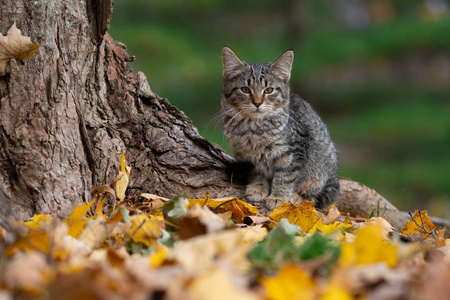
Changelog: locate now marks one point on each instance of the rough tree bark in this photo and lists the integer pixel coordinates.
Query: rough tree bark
(67, 112)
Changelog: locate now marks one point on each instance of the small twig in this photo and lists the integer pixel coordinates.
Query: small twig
(132, 234)
(309, 186)
(432, 232)
(221, 204)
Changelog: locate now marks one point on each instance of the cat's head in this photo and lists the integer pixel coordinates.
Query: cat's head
(257, 89)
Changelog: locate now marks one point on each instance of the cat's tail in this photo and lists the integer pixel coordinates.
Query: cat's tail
(329, 194)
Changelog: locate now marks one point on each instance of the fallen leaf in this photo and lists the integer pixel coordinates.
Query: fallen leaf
(303, 215)
(38, 221)
(94, 233)
(27, 272)
(76, 219)
(369, 247)
(291, 283)
(328, 228)
(423, 220)
(122, 179)
(15, 45)
(218, 285)
(334, 291)
(240, 209)
(385, 226)
(199, 220)
(332, 216)
(144, 229)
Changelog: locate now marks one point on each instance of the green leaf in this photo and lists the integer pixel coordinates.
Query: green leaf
(280, 246)
(125, 215)
(175, 208)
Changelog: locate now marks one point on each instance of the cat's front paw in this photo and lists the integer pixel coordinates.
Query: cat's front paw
(256, 194)
(272, 202)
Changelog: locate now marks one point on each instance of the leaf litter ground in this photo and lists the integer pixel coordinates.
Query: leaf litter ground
(150, 247)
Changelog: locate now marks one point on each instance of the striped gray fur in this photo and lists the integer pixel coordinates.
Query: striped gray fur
(278, 132)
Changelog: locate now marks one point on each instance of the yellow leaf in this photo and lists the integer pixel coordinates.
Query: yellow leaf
(369, 247)
(38, 221)
(15, 45)
(122, 179)
(411, 227)
(328, 228)
(157, 258)
(303, 215)
(144, 229)
(76, 221)
(98, 209)
(385, 226)
(36, 239)
(291, 283)
(334, 292)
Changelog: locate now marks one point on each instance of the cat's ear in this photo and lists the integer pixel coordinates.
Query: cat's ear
(283, 66)
(232, 65)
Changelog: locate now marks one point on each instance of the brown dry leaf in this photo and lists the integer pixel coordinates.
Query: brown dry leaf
(440, 238)
(303, 215)
(27, 272)
(103, 190)
(94, 233)
(199, 220)
(201, 252)
(239, 208)
(153, 201)
(15, 45)
(332, 216)
(411, 227)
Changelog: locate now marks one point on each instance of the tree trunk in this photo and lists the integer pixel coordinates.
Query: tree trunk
(68, 112)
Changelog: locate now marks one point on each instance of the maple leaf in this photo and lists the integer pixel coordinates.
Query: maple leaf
(303, 215)
(15, 45)
(290, 283)
(38, 221)
(76, 219)
(421, 221)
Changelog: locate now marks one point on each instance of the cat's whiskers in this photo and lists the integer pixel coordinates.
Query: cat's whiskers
(234, 117)
(216, 118)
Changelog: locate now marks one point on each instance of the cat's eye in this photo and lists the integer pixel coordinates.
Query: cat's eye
(269, 90)
(245, 90)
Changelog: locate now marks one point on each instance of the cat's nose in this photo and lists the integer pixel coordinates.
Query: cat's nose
(257, 104)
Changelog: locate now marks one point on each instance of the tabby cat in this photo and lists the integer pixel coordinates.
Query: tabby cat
(278, 132)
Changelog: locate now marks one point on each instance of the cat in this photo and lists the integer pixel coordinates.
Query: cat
(278, 133)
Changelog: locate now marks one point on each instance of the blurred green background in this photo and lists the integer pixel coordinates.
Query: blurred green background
(378, 72)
